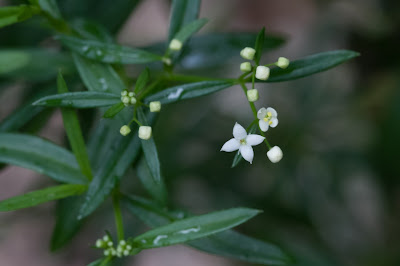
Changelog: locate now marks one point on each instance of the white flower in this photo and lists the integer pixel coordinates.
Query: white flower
(262, 72)
(275, 154)
(242, 142)
(268, 117)
(282, 62)
(248, 53)
(155, 106)
(245, 67)
(252, 95)
(175, 45)
(145, 132)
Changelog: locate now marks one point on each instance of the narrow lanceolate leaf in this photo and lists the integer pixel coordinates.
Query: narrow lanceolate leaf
(67, 223)
(90, 30)
(41, 156)
(98, 76)
(114, 110)
(108, 53)
(188, 91)
(40, 196)
(142, 80)
(224, 243)
(101, 262)
(86, 99)
(150, 151)
(14, 14)
(193, 228)
(112, 154)
(189, 29)
(182, 13)
(50, 7)
(74, 132)
(310, 65)
(238, 157)
(259, 45)
(156, 189)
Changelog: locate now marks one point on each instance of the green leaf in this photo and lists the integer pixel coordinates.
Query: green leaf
(74, 132)
(116, 155)
(114, 110)
(189, 29)
(33, 64)
(14, 14)
(310, 65)
(150, 151)
(41, 156)
(182, 13)
(108, 53)
(188, 91)
(142, 80)
(51, 8)
(156, 189)
(67, 223)
(259, 45)
(193, 228)
(90, 30)
(40, 196)
(87, 99)
(238, 157)
(101, 262)
(217, 49)
(97, 76)
(224, 243)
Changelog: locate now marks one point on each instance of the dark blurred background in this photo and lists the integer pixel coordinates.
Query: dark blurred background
(334, 199)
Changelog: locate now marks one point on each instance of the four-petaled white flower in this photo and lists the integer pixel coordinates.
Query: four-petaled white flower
(242, 142)
(268, 117)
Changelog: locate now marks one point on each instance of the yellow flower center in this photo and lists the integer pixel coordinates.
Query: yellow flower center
(268, 118)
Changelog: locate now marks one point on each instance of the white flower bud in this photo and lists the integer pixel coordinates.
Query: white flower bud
(124, 93)
(262, 72)
(125, 130)
(122, 243)
(248, 53)
(155, 106)
(99, 243)
(126, 253)
(283, 62)
(125, 99)
(106, 238)
(109, 243)
(275, 154)
(252, 95)
(245, 67)
(133, 100)
(107, 252)
(131, 94)
(175, 45)
(128, 247)
(145, 132)
(166, 61)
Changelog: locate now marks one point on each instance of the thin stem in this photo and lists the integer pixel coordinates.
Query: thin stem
(253, 108)
(151, 87)
(118, 216)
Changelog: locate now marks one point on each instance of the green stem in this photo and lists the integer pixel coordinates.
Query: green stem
(118, 216)
(253, 108)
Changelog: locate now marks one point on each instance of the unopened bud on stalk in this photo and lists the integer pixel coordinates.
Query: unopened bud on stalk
(262, 72)
(245, 67)
(145, 132)
(275, 154)
(175, 45)
(283, 62)
(125, 130)
(252, 95)
(248, 53)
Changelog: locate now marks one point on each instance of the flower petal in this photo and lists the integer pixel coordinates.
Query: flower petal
(239, 132)
(273, 112)
(231, 145)
(263, 125)
(254, 139)
(262, 113)
(247, 152)
(274, 122)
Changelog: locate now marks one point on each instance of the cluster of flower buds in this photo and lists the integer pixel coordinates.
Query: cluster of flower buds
(123, 249)
(128, 98)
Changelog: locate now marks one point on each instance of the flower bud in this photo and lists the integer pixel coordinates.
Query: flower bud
(175, 45)
(245, 67)
(122, 242)
(155, 106)
(166, 61)
(275, 154)
(99, 243)
(248, 53)
(131, 94)
(125, 99)
(126, 253)
(145, 132)
(252, 95)
(124, 93)
(262, 72)
(133, 100)
(283, 62)
(106, 238)
(125, 130)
